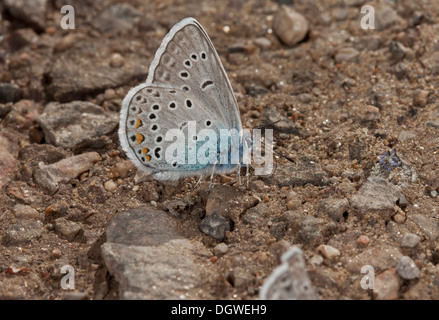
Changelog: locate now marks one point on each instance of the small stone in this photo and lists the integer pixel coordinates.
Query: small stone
(386, 285)
(328, 252)
(434, 194)
(56, 253)
(363, 240)
(68, 230)
(334, 208)
(220, 249)
(117, 60)
(23, 232)
(240, 278)
(215, 226)
(31, 12)
(410, 240)
(23, 211)
(305, 97)
(109, 94)
(123, 168)
(50, 176)
(9, 92)
(69, 124)
(420, 98)
(65, 43)
(316, 260)
(261, 256)
(110, 185)
(405, 135)
(407, 269)
(427, 225)
(290, 26)
(23, 115)
(345, 54)
(262, 42)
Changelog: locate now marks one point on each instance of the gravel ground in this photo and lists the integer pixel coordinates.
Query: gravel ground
(354, 113)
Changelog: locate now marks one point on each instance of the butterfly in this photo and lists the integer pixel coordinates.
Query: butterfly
(186, 85)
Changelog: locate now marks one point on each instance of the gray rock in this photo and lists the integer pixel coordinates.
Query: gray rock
(23, 232)
(116, 18)
(86, 69)
(8, 165)
(220, 249)
(290, 26)
(345, 54)
(215, 226)
(50, 176)
(386, 285)
(334, 208)
(142, 226)
(300, 174)
(9, 92)
(376, 195)
(427, 225)
(68, 124)
(407, 269)
(410, 240)
(68, 230)
(274, 120)
(31, 12)
(22, 211)
(380, 257)
(167, 271)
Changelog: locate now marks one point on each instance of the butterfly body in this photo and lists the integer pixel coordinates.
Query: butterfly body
(186, 88)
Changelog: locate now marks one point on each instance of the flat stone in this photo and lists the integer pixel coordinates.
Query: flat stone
(31, 12)
(85, 70)
(23, 232)
(22, 211)
(334, 208)
(50, 176)
(345, 54)
(380, 257)
(215, 226)
(306, 171)
(376, 195)
(328, 252)
(68, 124)
(410, 240)
(68, 230)
(427, 225)
(386, 285)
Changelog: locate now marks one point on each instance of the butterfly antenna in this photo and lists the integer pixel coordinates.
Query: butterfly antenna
(198, 182)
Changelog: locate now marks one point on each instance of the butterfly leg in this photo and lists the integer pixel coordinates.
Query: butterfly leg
(239, 173)
(198, 182)
(211, 176)
(247, 173)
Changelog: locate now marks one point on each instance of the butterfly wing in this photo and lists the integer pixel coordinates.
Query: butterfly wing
(187, 60)
(150, 113)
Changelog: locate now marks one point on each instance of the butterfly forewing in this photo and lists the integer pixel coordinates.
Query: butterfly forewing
(188, 61)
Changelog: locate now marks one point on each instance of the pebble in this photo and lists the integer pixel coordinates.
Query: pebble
(427, 225)
(123, 168)
(316, 260)
(386, 285)
(31, 12)
(9, 92)
(328, 252)
(117, 60)
(240, 278)
(215, 226)
(261, 256)
(110, 94)
(110, 185)
(346, 54)
(23, 211)
(334, 208)
(410, 240)
(56, 252)
(50, 176)
(69, 124)
(290, 26)
(65, 43)
(294, 201)
(262, 42)
(68, 230)
(363, 240)
(220, 249)
(420, 98)
(407, 268)
(23, 232)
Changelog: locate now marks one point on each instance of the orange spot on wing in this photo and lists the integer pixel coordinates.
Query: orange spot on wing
(145, 150)
(148, 158)
(139, 138)
(138, 123)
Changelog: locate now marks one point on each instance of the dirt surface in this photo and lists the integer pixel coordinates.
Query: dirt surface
(354, 110)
